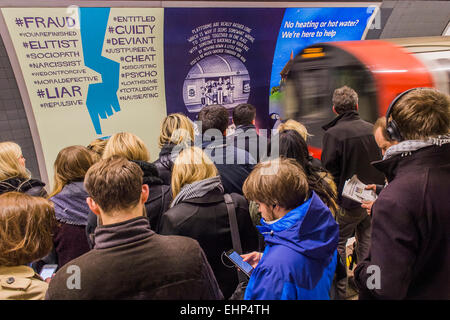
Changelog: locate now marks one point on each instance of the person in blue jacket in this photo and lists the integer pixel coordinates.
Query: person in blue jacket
(300, 233)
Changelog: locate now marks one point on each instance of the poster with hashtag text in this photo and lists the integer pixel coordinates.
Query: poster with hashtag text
(91, 72)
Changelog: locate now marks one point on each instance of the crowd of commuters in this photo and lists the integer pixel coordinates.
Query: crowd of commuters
(120, 227)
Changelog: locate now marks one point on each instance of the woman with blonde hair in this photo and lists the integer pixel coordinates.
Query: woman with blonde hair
(26, 224)
(131, 147)
(294, 125)
(127, 145)
(69, 197)
(199, 211)
(14, 176)
(98, 147)
(176, 130)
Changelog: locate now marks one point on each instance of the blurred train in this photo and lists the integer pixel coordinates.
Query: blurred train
(378, 70)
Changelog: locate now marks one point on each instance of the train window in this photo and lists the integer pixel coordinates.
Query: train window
(314, 91)
(360, 80)
(445, 66)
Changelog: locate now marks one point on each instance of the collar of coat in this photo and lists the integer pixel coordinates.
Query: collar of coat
(19, 184)
(346, 116)
(425, 157)
(122, 233)
(213, 196)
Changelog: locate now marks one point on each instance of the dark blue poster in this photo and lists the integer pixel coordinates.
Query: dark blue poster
(230, 56)
(219, 56)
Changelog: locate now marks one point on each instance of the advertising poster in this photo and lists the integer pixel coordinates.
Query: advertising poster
(302, 27)
(231, 56)
(90, 73)
(221, 55)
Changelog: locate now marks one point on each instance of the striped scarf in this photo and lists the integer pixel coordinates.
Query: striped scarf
(197, 189)
(408, 146)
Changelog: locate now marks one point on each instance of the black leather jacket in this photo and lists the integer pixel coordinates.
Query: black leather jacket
(32, 187)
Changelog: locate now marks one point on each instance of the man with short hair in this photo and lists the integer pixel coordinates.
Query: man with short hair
(348, 149)
(245, 136)
(300, 233)
(410, 245)
(233, 164)
(129, 260)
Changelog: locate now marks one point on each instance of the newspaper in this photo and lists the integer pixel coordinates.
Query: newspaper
(354, 189)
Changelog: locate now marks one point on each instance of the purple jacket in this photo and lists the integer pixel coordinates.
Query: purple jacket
(71, 212)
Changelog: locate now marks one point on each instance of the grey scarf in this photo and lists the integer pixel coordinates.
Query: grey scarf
(408, 146)
(197, 189)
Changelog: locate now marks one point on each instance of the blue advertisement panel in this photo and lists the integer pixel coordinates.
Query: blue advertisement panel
(302, 27)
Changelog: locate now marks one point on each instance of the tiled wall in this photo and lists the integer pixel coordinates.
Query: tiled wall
(13, 120)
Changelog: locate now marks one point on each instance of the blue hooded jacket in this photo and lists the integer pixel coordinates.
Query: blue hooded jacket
(300, 256)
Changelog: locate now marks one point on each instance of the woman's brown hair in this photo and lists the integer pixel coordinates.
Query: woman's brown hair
(26, 225)
(279, 182)
(71, 165)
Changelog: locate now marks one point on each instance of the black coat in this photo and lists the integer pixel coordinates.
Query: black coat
(164, 164)
(158, 202)
(234, 165)
(348, 148)
(245, 137)
(410, 228)
(32, 187)
(206, 220)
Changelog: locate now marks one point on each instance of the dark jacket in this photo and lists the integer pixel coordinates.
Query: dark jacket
(71, 211)
(410, 228)
(31, 187)
(158, 202)
(234, 165)
(130, 261)
(348, 148)
(300, 256)
(164, 164)
(245, 137)
(206, 220)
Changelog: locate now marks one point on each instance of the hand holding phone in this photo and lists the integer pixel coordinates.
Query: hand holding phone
(239, 262)
(47, 271)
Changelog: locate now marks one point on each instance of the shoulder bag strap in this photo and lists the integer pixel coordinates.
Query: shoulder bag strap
(235, 238)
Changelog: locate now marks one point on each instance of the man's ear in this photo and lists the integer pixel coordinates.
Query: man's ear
(144, 193)
(93, 205)
(254, 122)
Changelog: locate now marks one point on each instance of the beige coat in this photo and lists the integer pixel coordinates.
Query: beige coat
(21, 283)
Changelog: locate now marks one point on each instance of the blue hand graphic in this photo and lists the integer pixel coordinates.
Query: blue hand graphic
(102, 97)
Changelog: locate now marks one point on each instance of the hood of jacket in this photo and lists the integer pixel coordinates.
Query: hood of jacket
(151, 174)
(70, 204)
(346, 116)
(309, 229)
(19, 184)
